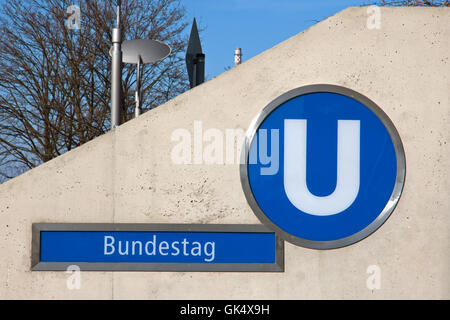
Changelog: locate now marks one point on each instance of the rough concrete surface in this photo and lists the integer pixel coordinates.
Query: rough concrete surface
(127, 175)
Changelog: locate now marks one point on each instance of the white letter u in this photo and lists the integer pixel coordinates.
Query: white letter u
(347, 182)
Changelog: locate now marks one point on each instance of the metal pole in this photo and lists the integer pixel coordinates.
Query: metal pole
(138, 110)
(116, 74)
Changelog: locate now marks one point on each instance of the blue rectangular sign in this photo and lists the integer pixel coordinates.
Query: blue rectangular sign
(156, 247)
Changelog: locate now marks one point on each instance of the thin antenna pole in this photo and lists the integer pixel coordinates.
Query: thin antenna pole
(116, 74)
(118, 17)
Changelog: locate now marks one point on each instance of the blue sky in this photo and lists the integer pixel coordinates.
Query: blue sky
(254, 25)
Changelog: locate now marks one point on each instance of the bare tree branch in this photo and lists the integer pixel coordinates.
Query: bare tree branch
(55, 81)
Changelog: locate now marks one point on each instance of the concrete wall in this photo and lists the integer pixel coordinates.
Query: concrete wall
(128, 176)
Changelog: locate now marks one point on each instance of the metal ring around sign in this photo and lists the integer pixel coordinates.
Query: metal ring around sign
(398, 147)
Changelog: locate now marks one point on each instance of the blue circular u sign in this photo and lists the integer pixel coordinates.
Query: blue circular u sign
(324, 166)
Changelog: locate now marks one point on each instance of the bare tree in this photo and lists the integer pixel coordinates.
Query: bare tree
(55, 79)
(414, 3)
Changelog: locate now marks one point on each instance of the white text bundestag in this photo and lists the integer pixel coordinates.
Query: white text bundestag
(162, 248)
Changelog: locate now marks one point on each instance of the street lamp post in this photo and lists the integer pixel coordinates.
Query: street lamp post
(116, 74)
(137, 51)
